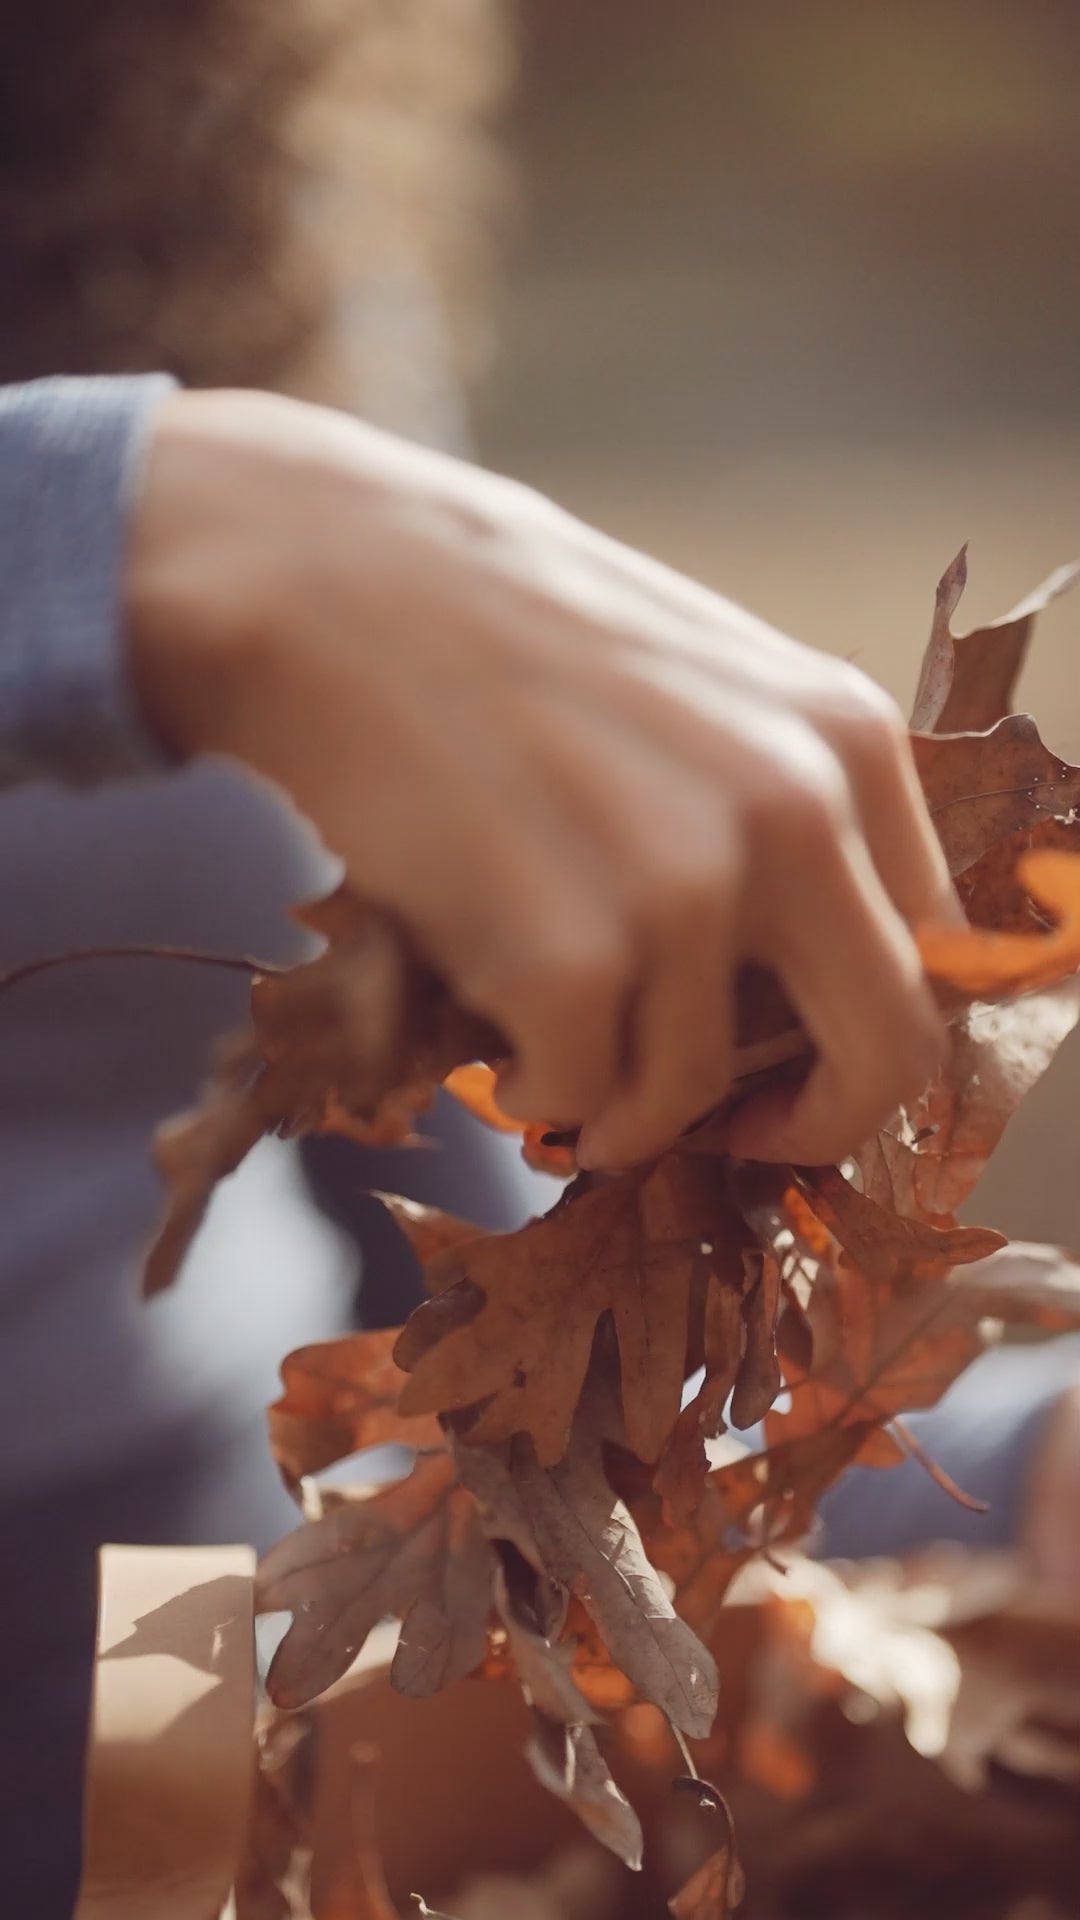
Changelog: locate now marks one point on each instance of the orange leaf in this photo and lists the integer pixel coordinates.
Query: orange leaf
(474, 1087)
(989, 966)
(340, 1397)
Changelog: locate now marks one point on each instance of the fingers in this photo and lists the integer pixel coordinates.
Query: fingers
(618, 999)
(682, 1030)
(868, 736)
(851, 968)
(559, 994)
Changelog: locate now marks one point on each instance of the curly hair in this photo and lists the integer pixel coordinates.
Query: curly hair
(193, 183)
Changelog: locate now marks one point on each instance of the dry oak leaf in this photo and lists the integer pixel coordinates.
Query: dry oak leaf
(355, 1041)
(414, 1550)
(197, 1149)
(629, 1246)
(990, 966)
(544, 1666)
(716, 1889)
(991, 892)
(713, 1892)
(364, 1021)
(869, 1358)
(882, 1355)
(340, 1397)
(780, 1489)
(888, 1339)
(981, 788)
(996, 1055)
(762, 1500)
(700, 1556)
(568, 1762)
(887, 1247)
(428, 1230)
(604, 1685)
(680, 1475)
(968, 680)
(587, 1541)
(740, 1360)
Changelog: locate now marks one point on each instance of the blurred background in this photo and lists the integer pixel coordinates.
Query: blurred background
(792, 300)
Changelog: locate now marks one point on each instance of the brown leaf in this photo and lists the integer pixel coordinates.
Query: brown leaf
(543, 1666)
(888, 1247)
(414, 1550)
(716, 1889)
(892, 1325)
(364, 1020)
(628, 1246)
(568, 1762)
(196, 1150)
(680, 1476)
(784, 1485)
(991, 892)
(983, 787)
(355, 1041)
(340, 1397)
(877, 1355)
(697, 1555)
(588, 1542)
(991, 966)
(428, 1230)
(996, 1055)
(757, 1381)
(968, 680)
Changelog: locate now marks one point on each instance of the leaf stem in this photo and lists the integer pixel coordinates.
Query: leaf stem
(195, 956)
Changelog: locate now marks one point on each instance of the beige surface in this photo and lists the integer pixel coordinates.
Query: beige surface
(171, 1749)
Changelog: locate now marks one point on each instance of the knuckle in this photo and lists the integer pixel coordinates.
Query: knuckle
(804, 804)
(693, 887)
(567, 966)
(816, 818)
(545, 962)
(859, 718)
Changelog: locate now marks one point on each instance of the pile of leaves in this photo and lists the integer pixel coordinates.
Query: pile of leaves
(557, 1513)
(898, 1739)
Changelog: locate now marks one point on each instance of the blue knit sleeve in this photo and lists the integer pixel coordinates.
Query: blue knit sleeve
(70, 453)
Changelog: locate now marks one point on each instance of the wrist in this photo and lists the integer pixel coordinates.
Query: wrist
(187, 592)
(222, 565)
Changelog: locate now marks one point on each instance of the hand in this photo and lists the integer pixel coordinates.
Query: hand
(589, 787)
